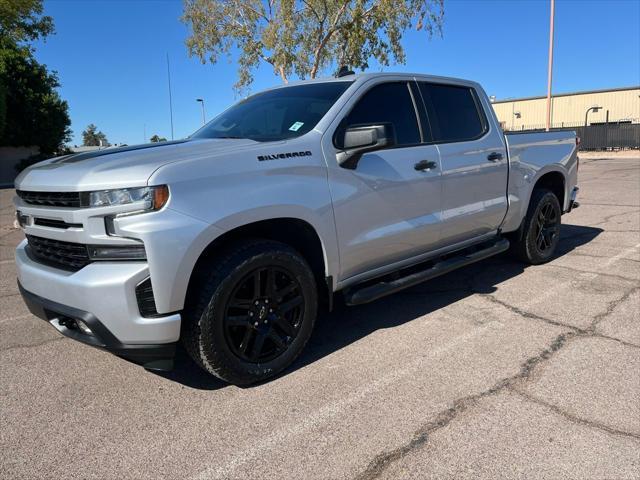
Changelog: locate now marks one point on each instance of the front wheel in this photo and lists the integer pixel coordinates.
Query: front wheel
(253, 314)
(541, 228)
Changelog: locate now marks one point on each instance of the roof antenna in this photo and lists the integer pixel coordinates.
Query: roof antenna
(344, 71)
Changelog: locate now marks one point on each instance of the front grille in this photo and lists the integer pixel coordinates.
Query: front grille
(146, 302)
(51, 199)
(65, 255)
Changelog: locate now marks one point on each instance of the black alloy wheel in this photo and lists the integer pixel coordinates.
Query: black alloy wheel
(540, 229)
(263, 315)
(547, 227)
(251, 311)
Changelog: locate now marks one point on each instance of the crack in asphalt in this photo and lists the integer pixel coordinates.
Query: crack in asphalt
(525, 314)
(590, 255)
(614, 339)
(381, 462)
(607, 218)
(608, 275)
(421, 437)
(31, 345)
(611, 307)
(583, 332)
(574, 418)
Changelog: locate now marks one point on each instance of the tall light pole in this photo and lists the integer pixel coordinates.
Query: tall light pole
(201, 100)
(550, 67)
(170, 100)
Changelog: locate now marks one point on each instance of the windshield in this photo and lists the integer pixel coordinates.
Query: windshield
(276, 114)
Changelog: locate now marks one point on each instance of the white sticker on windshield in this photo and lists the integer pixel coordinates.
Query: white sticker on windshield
(296, 126)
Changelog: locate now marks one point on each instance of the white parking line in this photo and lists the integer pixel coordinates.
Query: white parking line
(331, 410)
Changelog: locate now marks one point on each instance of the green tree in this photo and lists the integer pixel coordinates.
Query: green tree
(156, 139)
(91, 137)
(31, 111)
(22, 20)
(305, 38)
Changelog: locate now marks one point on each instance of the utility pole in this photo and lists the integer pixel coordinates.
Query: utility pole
(170, 101)
(550, 68)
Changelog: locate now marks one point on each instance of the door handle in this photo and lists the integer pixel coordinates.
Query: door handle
(425, 165)
(494, 156)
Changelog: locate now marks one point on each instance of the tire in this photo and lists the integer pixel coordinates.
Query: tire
(541, 229)
(252, 313)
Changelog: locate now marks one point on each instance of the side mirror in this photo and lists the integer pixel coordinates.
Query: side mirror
(361, 139)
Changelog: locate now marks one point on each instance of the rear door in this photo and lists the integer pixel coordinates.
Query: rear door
(388, 208)
(473, 158)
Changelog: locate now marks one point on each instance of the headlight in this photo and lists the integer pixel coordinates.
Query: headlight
(150, 198)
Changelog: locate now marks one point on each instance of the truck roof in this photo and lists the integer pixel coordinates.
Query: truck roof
(366, 76)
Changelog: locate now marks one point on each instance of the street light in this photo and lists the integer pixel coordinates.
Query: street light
(595, 108)
(201, 100)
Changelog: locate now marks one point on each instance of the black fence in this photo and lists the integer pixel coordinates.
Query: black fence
(605, 136)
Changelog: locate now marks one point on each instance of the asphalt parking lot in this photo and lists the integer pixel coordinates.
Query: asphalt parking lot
(494, 371)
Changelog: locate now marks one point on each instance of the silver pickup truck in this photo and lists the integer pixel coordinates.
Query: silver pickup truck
(232, 239)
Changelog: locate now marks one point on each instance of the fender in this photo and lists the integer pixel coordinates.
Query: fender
(527, 165)
(323, 229)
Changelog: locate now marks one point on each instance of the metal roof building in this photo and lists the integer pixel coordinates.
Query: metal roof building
(617, 105)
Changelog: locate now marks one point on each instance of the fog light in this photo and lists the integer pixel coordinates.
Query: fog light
(84, 328)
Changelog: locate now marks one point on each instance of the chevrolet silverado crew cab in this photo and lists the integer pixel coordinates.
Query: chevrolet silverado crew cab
(230, 241)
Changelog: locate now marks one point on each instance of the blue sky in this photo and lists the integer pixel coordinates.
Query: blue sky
(110, 57)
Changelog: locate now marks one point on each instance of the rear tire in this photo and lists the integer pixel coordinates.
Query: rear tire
(253, 312)
(541, 229)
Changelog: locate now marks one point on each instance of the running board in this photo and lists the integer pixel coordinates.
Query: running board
(359, 295)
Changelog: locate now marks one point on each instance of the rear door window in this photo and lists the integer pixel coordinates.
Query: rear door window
(454, 112)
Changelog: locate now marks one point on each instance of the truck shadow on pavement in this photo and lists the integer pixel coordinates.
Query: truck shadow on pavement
(346, 325)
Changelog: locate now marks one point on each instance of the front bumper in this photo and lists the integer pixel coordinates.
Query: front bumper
(65, 319)
(104, 293)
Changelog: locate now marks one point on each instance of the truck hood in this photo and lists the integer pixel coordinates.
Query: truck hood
(120, 167)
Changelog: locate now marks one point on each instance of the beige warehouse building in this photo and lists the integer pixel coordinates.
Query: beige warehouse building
(617, 105)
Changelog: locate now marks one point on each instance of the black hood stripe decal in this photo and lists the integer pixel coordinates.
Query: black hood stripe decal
(78, 157)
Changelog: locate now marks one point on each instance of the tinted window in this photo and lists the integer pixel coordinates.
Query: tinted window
(275, 114)
(387, 103)
(453, 113)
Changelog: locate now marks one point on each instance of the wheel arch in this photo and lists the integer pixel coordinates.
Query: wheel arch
(295, 232)
(551, 179)
(555, 181)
